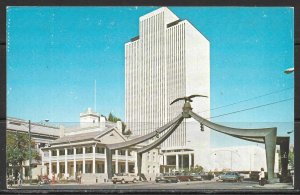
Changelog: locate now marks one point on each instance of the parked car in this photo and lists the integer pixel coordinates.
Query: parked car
(196, 177)
(166, 178)
(124, 178)
(184, 177)
(232, 176)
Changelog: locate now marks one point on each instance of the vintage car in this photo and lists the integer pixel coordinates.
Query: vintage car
(196, 177)
(124, 178)
(232, 176)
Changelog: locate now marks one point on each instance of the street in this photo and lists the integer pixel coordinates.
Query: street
(203, 185)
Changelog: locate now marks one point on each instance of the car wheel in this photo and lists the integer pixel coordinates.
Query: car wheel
(114, 182)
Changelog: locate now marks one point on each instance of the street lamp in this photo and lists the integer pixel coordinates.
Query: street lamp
(289, 132)
(289, 70)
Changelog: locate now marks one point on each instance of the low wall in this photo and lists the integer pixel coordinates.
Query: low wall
(90, 178)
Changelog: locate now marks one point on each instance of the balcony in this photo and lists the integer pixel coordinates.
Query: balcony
(88, 156)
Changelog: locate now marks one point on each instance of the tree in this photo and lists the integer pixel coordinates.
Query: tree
(128, 132)
(291, 159)
(196, 169)
(113, 118)
(17, 149)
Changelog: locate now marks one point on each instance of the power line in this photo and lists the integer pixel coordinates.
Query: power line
(251, 108)
(252, 98)
(263, 105)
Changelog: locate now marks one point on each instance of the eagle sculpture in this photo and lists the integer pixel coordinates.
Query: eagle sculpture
(187, 98)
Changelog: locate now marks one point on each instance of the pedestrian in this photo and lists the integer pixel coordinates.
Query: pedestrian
(19, 179)
(79, 177)
(53, 178)
(262, 177)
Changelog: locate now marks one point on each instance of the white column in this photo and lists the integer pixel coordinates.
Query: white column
(43, 157)
(57, 161)
(105, 162)
(50, 163)
(74, 161)
(135, 163)
(83, 159)
(66, 162)
(116, 162)
(177, 162)
(126, 162)
(165, 159)
(190, 161)
(94, 159)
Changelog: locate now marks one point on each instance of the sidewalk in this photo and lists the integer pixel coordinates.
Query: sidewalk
(274, 186)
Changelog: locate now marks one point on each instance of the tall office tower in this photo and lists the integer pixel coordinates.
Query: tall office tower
(169, 59)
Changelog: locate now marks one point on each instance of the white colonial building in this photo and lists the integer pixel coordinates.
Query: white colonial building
(169, 58)
(82, 150)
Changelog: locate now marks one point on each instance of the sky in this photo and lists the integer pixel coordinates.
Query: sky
(55, 54)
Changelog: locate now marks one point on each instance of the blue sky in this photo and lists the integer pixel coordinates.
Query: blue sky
(55, 54)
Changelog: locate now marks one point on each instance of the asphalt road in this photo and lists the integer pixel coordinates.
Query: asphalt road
(196, 185)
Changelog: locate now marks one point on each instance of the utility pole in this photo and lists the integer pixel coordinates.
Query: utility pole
(30, 155)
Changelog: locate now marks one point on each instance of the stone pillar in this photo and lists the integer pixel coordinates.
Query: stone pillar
(105, 161)
(57, 161)
(66, 161)
(74, 161)
(139, 164)
(177, 162)
(165, 159)
(135, 164)
(50, 163)
(190, 161)
(83, 159)
(94, 159)
(116, 162)
(109, 163)
(126, 162)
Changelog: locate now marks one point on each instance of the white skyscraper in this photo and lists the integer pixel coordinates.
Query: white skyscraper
(169, 59)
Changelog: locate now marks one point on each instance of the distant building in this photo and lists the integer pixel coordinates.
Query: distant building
(41, 133)
(241, 158)
(169, 58)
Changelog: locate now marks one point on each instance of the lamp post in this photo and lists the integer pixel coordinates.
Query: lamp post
(289, 70)
(30, 152)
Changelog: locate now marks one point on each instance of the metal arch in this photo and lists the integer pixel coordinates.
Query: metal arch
(160, 140)
(153, 145)
(138, 140)
(143, 138)
(268, 135)
(254, 133)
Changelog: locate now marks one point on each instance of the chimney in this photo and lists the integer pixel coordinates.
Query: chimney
(61, 131)
(102, 122)
(119, 126)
